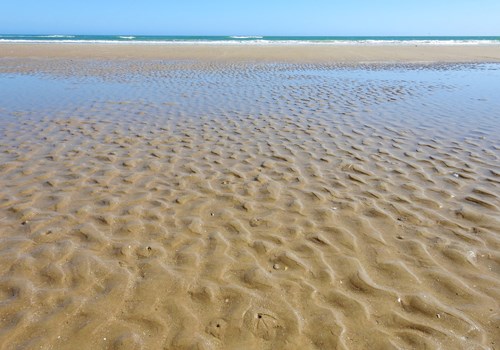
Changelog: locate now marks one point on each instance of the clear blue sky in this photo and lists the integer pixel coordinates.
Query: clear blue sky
(246, 17)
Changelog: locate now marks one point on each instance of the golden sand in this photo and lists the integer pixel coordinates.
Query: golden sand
(245, 207)
(289, 53)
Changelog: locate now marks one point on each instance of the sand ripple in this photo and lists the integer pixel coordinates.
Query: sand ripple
(305, 212)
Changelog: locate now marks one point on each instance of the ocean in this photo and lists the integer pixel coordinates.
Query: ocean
(253, 40)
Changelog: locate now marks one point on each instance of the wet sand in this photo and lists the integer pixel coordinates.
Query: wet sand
(174, 204)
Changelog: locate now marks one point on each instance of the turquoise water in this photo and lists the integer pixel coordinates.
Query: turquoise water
(242, 39)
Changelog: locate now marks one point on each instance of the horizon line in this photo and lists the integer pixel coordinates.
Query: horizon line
(259, 35)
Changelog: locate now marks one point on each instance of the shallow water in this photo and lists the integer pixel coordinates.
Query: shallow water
(163, 204)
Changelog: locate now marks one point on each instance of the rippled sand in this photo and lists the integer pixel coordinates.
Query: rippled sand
(210, 205)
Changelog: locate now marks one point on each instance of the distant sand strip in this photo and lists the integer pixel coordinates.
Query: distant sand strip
(288, 53)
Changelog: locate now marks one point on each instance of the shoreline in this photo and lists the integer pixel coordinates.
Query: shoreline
(270, 53)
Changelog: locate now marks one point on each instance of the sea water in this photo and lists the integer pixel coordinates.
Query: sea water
(256, 39)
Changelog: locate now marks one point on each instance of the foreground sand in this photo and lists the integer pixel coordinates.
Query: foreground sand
(298, 53)
(222, 205)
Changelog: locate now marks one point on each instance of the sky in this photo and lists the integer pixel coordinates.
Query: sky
(251, 17)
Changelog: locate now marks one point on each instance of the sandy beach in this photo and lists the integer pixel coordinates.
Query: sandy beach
(270, 53)
(196, 197)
